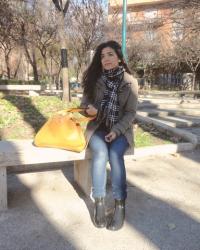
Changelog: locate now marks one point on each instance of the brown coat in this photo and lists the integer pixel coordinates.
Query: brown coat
(128, 96)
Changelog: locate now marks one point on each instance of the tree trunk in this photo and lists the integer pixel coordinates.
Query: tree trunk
(193, 80)
(78, 70)
(7, 61)
(32, 61)
(49, 74)
(77, 75)
(18, 64)
(34, 65)
(64, 63)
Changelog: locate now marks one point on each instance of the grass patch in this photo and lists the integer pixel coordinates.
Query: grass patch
(22, 116)
(144, 138)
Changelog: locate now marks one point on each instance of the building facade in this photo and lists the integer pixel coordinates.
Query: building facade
(152, 23)
(148, 19)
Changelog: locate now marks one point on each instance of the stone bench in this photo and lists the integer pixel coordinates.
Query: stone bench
(31, 89)
(18, 153)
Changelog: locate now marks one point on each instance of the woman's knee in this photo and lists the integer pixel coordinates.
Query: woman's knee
(116, 153)
(101, 154)
(118, 148)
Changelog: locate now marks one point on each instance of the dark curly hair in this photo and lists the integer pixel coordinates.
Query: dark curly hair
(94, 70)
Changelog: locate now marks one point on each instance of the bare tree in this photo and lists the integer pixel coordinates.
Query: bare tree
(113, 26)
(7, 27)
(145, 47)
(55, 64)
(85, 30)
(45, 36)
(187, 12)
(186, 16)
(25, 21)
(188, 51)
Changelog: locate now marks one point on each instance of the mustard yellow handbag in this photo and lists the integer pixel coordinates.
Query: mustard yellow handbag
(63, 130)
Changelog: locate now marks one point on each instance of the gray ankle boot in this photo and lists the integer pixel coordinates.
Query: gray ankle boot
(99, 213)
(118, 216)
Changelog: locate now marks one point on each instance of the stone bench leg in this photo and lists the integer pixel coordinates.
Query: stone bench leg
(3, 189)
(82, 175)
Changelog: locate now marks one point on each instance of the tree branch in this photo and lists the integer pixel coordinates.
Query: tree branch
(66, 7)
(56, 3)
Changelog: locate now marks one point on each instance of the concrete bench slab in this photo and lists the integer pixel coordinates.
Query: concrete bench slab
(31, 88)
(21, 87)
(23, 152)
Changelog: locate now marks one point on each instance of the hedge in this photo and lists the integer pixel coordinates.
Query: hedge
(19, 82)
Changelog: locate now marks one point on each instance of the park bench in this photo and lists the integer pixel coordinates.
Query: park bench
(182, 94)
(60, 93)
(31, 89)
(18, 153)
(22, 154)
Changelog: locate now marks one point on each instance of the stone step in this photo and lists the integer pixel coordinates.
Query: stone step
(186, 106)
(147, 105)
(168, 100)
(177, 122)
(185, 114)
(159, 100)
(169, 111)
(195, 131)
(156, 112)
(189, 117)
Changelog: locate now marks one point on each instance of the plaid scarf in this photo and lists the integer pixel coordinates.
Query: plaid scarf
(110, 104)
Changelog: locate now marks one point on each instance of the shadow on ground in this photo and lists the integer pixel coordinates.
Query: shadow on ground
(27, 109)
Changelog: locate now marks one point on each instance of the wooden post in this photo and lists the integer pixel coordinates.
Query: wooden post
(82, 175)
(3, 189)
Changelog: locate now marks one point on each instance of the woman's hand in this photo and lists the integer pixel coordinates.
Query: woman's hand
(91, 110)
(110, 137)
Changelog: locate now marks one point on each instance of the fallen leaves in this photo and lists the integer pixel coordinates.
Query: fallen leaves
(171, 226)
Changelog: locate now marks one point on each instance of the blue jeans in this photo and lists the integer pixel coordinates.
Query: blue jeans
(113, 152)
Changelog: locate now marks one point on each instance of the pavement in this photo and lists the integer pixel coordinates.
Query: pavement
(46, 209)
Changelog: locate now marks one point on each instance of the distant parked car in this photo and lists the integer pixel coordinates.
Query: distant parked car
(76, 86)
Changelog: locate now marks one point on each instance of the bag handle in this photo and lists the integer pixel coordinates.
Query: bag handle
(76, 110)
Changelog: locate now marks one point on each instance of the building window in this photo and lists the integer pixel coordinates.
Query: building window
(177, 13)
(129, 17)
(150, 35)
(177, 31)
(150, 14)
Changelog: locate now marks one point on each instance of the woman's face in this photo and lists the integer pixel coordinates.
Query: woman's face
(109, 58)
